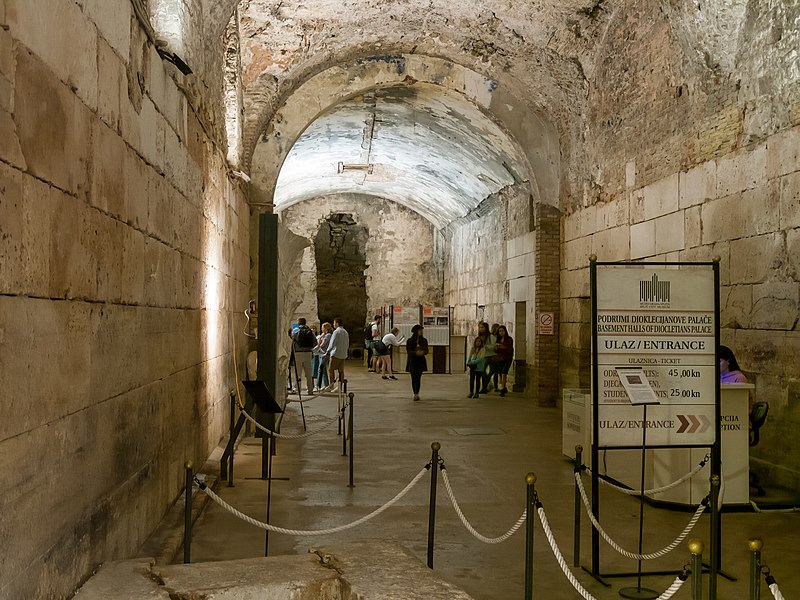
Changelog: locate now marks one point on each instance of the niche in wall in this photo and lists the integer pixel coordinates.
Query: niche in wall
(339, 249)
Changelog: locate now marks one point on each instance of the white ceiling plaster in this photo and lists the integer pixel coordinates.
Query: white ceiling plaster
(431, 150)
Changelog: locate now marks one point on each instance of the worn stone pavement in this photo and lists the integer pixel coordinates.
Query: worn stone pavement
(488, 446)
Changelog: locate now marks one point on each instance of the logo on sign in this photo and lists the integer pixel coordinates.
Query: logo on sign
(693, 423)
(654, 293)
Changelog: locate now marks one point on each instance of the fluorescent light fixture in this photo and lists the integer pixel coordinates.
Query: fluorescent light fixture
(359, 168)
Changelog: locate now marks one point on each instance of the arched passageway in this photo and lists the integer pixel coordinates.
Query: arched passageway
(439, 149)
(653, 130)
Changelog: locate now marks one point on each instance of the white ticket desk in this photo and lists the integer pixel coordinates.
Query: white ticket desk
(666, 465)
(670, 464)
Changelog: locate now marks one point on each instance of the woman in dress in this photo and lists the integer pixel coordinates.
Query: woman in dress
(322, 345)
(417, 349)
(504, 355)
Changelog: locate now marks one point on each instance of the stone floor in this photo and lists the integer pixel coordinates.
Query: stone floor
(488, 446)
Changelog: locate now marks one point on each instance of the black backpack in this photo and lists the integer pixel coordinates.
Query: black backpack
(368, 332)
(305, 338)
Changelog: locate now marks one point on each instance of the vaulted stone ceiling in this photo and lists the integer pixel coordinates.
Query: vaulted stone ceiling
(542, 52)
(436, 153)
(429, 150)
(433, 152)
(538, 50)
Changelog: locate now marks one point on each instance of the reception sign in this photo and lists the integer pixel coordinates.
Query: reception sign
(660, 319)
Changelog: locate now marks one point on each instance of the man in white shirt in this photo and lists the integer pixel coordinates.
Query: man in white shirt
(388, 341)
(337, 351)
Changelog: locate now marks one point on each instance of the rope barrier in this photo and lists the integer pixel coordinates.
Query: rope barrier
(276, 529)
(772, 585)
(776, 593)
(282, 436)
(668, 593)
(622, 551)
(658, 490)
(482, 538)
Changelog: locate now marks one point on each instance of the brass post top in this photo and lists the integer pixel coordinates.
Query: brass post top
(696, 547)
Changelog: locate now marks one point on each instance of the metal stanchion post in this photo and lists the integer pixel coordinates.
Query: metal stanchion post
(755, 546)
(187, 515)
(576, 548)
(266, 451)
(271, 440)
(231, 440)
(715, 536)
(350, 435)
(435, 446)
(342, 414)
(696, 548)
(530, 507)
(339, 404)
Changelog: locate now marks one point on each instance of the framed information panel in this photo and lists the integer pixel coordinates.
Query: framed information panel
(660, 318)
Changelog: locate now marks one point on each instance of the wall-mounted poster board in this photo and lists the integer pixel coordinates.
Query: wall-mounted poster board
(436, 321)
(405, 317)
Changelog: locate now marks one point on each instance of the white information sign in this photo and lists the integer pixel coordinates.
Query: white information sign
(404, 318)
(661, 320)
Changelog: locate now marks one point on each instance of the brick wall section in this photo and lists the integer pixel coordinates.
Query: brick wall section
(547, 299)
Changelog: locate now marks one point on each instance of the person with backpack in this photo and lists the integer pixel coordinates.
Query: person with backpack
(372, 334)
(303, 342)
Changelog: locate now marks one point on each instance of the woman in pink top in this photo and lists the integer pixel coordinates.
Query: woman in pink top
(729, 371)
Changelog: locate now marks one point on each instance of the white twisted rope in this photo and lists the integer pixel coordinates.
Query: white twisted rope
(282, 436)
(668, 593)
(776, 593)
(633, 555)
(484, 539)
(355, 523)
(657, 490)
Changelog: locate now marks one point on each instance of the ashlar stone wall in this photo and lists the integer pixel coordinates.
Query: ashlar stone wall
(123, 254)
(491, 266)
(403, 253)
(682, 170)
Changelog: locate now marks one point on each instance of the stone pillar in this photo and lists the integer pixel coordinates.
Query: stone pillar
(545, 378)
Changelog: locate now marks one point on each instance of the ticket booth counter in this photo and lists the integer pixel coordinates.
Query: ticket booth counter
(670, 464)
(665, 465)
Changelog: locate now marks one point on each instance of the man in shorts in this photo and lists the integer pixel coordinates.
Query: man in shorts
(337, 351)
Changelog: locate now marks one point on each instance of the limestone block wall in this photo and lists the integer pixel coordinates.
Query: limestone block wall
(404, 262)
(744, 208)
(123, 260)
(694, 154)
(491, 265)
